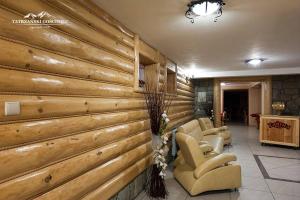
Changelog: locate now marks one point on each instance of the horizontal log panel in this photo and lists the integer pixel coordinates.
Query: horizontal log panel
(12, 81)
(94, 178)
(17, 134)
(110, 188)
(177, 109)
(37, 107)
(58, 42)
(184, 87)
(89, 12)
(181, 103)
(16, 161)
(183, 81)
(73, 27)
(181, 75)
(28, 58)
(178, 122)
(185, 93)
(35, 183)
(181, 114)
(186, 98)
(148, 51)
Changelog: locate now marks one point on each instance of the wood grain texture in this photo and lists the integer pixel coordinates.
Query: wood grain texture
(14, 162)
(73, 27)
(96, 177)
(115, 184)
(68, 169)
(148, 52)
(58, 42)
(184, 87)
(101, 14)
(83, 129)
(18, 134)
(27, 58)
(282, 130)
(38, 107)
(12, 81)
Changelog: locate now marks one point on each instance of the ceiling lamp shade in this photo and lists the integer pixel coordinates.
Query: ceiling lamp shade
(198, 8)
(255, 61)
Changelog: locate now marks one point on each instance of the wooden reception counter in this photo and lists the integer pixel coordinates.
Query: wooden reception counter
(282, 130)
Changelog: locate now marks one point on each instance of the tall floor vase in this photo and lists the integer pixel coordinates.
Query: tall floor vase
(155, 185)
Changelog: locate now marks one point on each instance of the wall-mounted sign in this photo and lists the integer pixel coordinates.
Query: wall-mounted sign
(278, 124)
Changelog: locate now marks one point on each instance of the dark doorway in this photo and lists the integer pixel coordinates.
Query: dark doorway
(236, 106)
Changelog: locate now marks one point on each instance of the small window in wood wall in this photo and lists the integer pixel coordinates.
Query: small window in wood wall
(141, 75)
(148, 72)
(171, 78)
(146, 66)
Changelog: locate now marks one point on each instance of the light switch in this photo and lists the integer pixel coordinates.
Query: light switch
(12, 108)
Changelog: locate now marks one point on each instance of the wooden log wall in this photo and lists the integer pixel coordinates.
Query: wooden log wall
(83, 131)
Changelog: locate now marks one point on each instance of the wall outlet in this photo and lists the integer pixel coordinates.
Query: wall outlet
(12, 108)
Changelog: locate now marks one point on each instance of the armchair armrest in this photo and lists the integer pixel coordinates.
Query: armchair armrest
(203, 142)
(223, 128)
(213, 131)
(206, 148)
(213, 163)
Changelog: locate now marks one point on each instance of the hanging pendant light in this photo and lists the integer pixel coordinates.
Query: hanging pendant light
(198, 8)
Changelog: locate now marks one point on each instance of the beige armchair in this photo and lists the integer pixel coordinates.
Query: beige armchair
(212, 142)
(208, 127)
(198, 174)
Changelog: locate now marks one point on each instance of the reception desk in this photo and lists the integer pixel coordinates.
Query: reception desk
(281, 130)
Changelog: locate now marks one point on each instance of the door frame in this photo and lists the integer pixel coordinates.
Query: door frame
(266, 90)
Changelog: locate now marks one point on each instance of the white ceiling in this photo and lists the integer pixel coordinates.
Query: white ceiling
(247, 29)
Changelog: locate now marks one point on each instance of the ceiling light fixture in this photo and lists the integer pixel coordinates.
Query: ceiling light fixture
(198, 8)
(255, 61)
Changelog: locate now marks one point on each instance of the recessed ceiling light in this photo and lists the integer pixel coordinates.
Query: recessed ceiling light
(255, 61)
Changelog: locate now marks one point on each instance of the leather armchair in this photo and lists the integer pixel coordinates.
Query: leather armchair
(208, 128)
(198, 174)
(214, 142)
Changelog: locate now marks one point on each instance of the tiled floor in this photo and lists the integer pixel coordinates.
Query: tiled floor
(254, 186)
(280, 168)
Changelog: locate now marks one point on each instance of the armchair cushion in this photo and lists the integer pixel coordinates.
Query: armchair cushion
(205, 123)
(206, 148)
(213, 163)
(193, 129)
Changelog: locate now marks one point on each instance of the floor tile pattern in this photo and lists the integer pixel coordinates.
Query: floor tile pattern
(279, 168)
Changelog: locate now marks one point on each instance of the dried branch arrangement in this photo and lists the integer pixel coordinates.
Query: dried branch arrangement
(158, 103)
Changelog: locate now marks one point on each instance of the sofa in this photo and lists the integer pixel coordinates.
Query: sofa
(199, 174)
(207, 125)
